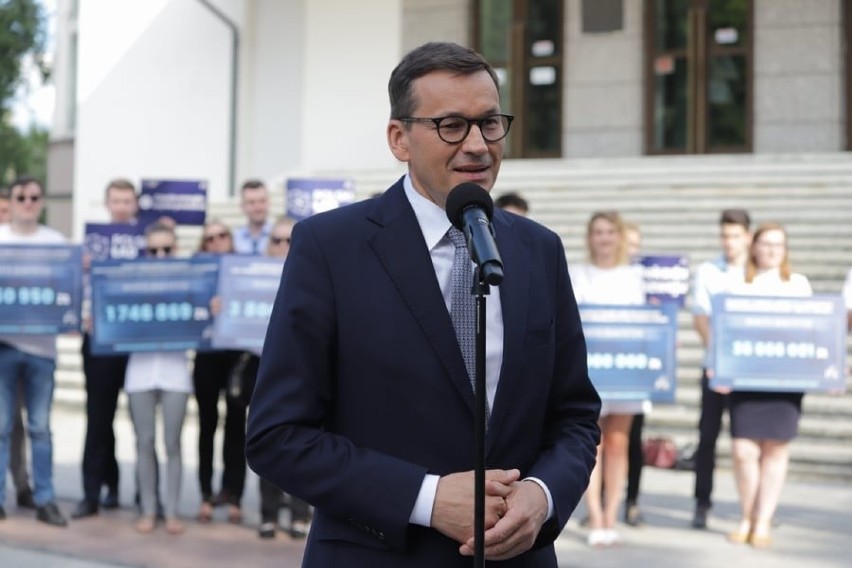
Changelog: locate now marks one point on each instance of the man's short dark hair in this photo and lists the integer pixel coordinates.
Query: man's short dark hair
(512, 199)
(252, 184)
(429, 57)
(120, 183)
(159, 227)
(735, 217)
(4, 193)
(25, 180)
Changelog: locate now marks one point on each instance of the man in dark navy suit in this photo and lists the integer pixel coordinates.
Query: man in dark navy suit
(363, 404)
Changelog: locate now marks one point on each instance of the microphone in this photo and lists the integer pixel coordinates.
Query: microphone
(469, 208)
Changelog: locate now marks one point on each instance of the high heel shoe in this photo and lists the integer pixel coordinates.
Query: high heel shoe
(235, 514)
(742, 535)
(760, 535)
(205, 512)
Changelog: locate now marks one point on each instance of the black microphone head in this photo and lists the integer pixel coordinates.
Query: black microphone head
(464, 196)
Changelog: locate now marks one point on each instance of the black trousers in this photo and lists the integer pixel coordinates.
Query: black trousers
(635, 459)
(104, 381)
(713, 405)
(210, 378)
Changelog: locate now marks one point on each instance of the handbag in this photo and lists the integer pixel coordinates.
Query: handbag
(660, 452)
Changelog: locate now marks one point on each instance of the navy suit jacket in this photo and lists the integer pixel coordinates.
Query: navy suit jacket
(362, 388)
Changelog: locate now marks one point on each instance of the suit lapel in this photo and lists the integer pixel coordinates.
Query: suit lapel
(514, 301)
(402, 251)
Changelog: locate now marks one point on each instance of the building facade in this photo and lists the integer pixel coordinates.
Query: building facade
(222, 90)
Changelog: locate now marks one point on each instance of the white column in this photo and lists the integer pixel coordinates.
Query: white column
(350, 50)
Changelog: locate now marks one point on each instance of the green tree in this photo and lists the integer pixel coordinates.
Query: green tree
(22, 35)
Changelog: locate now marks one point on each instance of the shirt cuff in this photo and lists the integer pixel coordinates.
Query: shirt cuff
(546, 494)
(421, 514)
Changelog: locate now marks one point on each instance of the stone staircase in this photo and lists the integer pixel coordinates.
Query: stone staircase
(676, 202)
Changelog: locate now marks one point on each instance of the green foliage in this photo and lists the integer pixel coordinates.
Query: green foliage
(22, 34)
(22, 153)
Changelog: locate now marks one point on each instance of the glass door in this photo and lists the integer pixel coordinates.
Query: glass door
(698, 89)
(522, 39)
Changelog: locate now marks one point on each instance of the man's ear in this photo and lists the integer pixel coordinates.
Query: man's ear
(398, 140)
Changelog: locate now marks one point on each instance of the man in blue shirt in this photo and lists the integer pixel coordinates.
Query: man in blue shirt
(252, 237)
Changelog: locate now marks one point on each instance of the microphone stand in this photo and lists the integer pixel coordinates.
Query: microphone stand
(479, 289)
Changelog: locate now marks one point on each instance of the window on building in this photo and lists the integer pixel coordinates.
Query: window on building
(522, 39)
(698, 87)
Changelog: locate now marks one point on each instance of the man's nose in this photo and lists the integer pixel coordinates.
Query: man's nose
(475, 143)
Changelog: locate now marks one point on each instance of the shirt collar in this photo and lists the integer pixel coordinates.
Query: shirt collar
(431, 218)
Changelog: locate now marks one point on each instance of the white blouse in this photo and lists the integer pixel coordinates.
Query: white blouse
(158, 370)
(618, 285)
(769, 283)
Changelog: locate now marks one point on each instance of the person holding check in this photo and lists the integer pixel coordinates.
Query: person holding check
(364, 406)
(764, 423)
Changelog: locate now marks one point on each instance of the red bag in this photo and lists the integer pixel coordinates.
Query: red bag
(660, 452)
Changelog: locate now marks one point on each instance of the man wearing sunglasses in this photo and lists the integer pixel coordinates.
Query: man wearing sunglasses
(364, 405)
(31, 360)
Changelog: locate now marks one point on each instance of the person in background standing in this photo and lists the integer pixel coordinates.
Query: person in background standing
(714, 277)
(104, 376)
(210, 379)
(513, 203)
(635, 457)
(270, 496)
(17, 440)
(608, 279)
(158, 379)
(764, 423)
(30, 360)
(252, 237)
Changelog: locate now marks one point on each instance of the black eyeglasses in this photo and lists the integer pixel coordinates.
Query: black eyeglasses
(155, 251)
(32, 198)
(454, 129)
(221, 236)
(279, 240)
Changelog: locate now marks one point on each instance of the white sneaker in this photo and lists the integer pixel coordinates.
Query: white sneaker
(597, 537)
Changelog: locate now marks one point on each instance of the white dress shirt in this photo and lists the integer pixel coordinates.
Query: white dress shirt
(434, 224)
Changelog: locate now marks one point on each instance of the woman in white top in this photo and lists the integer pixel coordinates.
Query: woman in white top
(608, 279)
(763, 423)
(158, 378)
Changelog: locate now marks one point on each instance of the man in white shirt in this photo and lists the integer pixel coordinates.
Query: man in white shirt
(715, 277)
(31, 360)
(364, 406)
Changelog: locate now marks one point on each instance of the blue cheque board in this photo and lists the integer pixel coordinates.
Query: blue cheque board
(631, 350)
(152, 304)
(41, 289)
(779, 344)
(247, 289)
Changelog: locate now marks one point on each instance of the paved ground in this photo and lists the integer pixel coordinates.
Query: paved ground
(814, 525)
